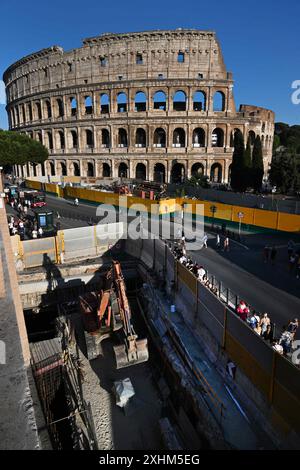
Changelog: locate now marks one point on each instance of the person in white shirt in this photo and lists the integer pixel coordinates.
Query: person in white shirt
(34, 233)
(40, 232)
(201, 273)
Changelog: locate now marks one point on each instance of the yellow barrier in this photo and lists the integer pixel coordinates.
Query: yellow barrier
(256, 217)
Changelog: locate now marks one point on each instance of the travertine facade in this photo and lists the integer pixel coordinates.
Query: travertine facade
(155, 105)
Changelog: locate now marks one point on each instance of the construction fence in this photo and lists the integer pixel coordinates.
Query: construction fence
(274, 376)
(68, 245)
(252, 217)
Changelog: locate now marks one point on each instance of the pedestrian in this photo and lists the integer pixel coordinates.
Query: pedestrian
(273, 254)
(242, 310)
(268, 335)
(10, 226)
(205, 240)
(40, 232)
(25, 210)
(292, 262)
(201, 273)
(226, 244)
(293, 326)
(286, 342)
(264, 322)
(34, 233)
(218, 241)
(266, 253)
(290, 248)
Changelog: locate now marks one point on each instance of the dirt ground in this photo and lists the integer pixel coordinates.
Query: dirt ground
(138, 428)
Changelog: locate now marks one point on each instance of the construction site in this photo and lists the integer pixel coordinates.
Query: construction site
(121, 347)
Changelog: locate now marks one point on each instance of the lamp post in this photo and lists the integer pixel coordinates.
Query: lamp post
(240, 216)
(213, 210)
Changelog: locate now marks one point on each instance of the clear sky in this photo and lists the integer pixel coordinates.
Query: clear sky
(259, 39)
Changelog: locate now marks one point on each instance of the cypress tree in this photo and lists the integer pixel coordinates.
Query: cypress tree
(257, 165)
(247, 171)
(237, 166)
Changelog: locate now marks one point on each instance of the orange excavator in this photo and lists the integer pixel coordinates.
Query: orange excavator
(107, 311)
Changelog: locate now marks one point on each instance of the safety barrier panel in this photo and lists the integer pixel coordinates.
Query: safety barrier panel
(39, 252)
(82, 242)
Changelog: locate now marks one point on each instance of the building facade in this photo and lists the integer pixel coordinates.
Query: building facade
(154, 105)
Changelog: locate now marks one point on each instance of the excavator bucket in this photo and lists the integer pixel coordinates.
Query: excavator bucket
(135, 353)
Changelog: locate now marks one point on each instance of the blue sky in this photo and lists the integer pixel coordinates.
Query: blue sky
(259, 39)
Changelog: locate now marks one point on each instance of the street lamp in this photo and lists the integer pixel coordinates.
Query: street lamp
(213, 210)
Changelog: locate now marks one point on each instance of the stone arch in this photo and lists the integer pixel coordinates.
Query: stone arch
(62, 169)
(60, 139)
(140, 101)
(104, 103)
(179, 137)
(48, 109)
(88, 104)
(105, 138)
(179, 101)
(73, 105)
(140, 137)
(38, 109)
(197, 169)
(122, 102)
(178, 173)
(59, 107)
(76, 168)
(89, 138)
(123, 171)
(49, 140)
(199, 101)
(159, 137)
(217, 137)
(199, 137)
(73, 139)
(159, 173)
(160, 100)
(251, 136)
(219, 101)
(216, 173)
(106, 170)
(141, 171)
(122, 137)
(90, 170)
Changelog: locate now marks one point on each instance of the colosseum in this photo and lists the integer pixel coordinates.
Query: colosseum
(155, 105)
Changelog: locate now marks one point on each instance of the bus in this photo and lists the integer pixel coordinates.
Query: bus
(36, 198)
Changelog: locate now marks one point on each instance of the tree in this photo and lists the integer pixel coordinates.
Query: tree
(257, 164)
(17, 149)
(247, 171)
(238, 167)
(283, 173)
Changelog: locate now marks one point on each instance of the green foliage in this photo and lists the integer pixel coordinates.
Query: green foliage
(257, 165)
(289, 136)
(199, 181)
(18, 148)
(239, 170)
(283, 172)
